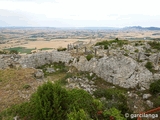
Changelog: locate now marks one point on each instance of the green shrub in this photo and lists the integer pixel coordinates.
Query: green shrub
(156, 101)
(115, 113)
(50, 102)
(116, 98)
(61, 49)
(106, 43)
(60, 66)
(140, 61)
(136, 51)
(80, 99)
(3, 52)
(155, 87)
(125, 54)
(89, 57)
(154, 45)
(117, 39)
(149, 66)
(109, 93)
(78, 115)
(136, 44)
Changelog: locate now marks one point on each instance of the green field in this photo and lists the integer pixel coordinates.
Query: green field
(25, 50)
(21, 50)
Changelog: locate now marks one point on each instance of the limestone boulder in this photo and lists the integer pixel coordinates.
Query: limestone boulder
(39, 74)
(117, 69)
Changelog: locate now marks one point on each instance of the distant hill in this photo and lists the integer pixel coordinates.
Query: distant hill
(85, 28)
(100, 28)
(142, 28)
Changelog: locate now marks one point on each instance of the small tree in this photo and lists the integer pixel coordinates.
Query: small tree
(116, 39)
(50, 102)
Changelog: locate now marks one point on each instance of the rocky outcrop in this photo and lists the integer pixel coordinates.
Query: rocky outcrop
(7, 61)
(34, 60)
(42, 58)
(81, 82)
(119, 70)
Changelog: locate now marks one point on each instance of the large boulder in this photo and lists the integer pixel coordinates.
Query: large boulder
(118, 69)
(39, 74)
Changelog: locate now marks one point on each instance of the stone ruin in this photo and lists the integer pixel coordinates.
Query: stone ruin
(115, 68)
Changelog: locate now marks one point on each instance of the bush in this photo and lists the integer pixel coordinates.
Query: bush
(136, 51)
(114, 112)
(125, 54)
(149, 66)
(106, 43)
(61, 49)
(78, 115)
(80, 99)
(3, 52)
(155, 87)
(156, 101)
(115, 98)
(117, 39)
(136, 44)
(89, 57)
(51, 102)
(154, 45)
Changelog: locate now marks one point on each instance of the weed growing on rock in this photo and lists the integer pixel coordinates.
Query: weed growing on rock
(89, 57)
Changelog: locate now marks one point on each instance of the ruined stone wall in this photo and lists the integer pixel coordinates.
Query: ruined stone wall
(33, 60)
(39, 59)
(117, 69)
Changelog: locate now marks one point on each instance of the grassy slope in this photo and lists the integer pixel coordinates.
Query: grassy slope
(12, 86)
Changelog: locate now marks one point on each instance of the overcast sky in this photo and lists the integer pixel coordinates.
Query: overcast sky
(80, 13)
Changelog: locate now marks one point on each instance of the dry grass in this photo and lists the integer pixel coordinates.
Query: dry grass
(13, 88)
(16, 86)
(55, 77)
